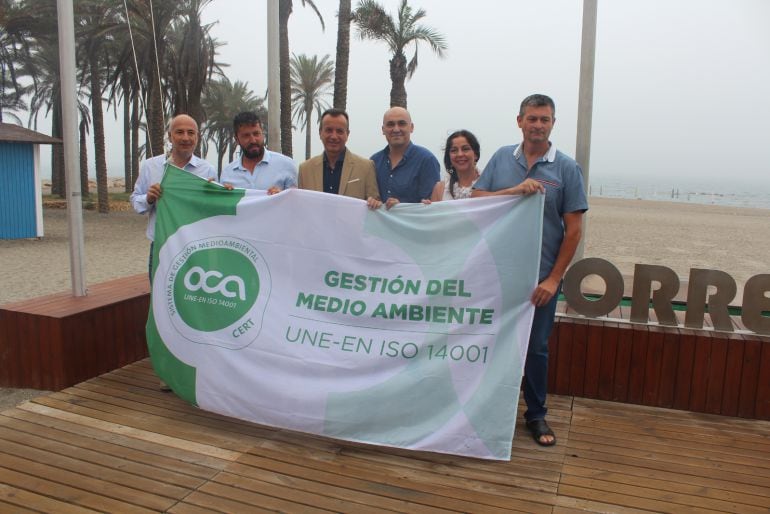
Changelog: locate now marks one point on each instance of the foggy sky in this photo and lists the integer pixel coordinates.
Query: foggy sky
(681, 86)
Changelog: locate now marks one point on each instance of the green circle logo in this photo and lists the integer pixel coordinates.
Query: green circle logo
(215, 288)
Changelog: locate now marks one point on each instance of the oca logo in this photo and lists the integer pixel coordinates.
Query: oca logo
(198, 278)
(217, 290)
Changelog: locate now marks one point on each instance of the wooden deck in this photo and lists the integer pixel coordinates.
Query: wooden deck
(117, 444)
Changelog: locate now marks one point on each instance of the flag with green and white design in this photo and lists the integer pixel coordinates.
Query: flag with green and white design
(405, 327)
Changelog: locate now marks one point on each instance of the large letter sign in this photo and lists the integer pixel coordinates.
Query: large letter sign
(307, 311)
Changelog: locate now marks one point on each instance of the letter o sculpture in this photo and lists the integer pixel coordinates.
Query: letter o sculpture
(613, 281)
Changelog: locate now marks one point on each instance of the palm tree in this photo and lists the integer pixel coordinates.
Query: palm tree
(310, 82)
(41, 65)
(376, 24)
(14, 49)
(96, 21)
(343, 56)
(124, 90)
(11, 102)
(150, 24)
(190, 60)
(284, 11)
(222, 100)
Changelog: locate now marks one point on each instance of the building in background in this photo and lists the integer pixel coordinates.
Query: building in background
(21, 197)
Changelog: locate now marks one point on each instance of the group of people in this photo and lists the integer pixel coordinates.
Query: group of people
(404, 172)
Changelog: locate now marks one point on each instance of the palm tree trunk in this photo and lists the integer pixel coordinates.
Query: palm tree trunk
(83, 160)
(99, 147)
(284, 11)
(308, 116)
(231, 152)
(220, 156)
(343, 56)
(127, 186)
(155, 117)
(57, 151)
(134, 141)
(397, 79)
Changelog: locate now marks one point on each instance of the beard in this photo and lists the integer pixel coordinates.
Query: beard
(254, 152)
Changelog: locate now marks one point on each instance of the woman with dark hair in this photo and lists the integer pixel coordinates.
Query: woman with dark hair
(461, 153)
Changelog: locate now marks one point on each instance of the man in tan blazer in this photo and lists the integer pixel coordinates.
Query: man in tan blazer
(338, 170)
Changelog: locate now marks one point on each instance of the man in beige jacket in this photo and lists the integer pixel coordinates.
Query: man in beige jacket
(338, 170)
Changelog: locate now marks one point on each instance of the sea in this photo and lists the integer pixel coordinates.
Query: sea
(727, 192)
(707, 192)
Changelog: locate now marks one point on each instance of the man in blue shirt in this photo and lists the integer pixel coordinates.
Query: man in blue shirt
(405, 172)
(536, 165)
(258, 167)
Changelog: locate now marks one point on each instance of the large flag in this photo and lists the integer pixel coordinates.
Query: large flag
(308, 311)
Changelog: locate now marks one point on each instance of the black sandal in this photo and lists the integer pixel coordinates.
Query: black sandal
(538, 428)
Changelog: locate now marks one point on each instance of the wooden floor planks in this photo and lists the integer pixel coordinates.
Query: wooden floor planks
(118, 444)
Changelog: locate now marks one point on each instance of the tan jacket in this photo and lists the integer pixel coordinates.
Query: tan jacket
(358, 179)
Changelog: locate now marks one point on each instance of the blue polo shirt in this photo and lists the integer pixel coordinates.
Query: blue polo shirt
(412, 180)
(564, 191)
(274, 169)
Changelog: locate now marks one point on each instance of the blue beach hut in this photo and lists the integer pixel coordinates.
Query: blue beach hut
(21, 198)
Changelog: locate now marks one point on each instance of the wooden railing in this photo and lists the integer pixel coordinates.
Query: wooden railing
(696, 370)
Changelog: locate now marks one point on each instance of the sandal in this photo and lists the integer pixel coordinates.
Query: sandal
(539, 428)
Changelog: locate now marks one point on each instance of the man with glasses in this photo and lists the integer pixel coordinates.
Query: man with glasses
(405, 171)
(258, 167)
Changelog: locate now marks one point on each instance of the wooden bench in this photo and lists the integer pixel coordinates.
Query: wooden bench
(59, 340)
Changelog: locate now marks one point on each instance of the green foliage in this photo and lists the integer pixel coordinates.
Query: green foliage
(311, 80)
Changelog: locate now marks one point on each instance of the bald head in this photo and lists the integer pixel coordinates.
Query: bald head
(396, 113)
(182, 118)
(397, 127)
(183, 134)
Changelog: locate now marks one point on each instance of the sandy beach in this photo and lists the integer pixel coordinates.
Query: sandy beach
(625, 232)
(678, 235)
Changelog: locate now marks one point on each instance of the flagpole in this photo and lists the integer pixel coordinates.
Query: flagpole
(586, 101)
(67, 69)
(273, 78)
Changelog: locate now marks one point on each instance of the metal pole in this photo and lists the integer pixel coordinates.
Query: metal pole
(586, 101)
(273, 78)
(69, 137)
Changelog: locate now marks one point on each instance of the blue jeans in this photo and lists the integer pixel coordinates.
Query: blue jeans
(536, 365)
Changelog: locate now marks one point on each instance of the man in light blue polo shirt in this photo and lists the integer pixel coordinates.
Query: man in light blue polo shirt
(532, 166)
(258, 167)
(405, 171)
